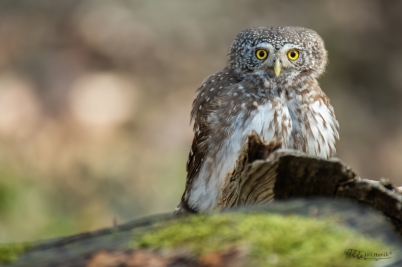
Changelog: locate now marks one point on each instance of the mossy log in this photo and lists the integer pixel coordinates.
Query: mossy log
(314, 189)
(319, 232)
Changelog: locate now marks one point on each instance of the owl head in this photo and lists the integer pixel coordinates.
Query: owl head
(278, 51)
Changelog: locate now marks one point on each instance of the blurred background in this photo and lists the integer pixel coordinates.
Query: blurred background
(95, 99)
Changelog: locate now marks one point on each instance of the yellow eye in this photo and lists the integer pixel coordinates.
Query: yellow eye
(261, 54)
(293, 54)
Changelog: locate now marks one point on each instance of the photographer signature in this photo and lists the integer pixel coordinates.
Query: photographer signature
(361, 255)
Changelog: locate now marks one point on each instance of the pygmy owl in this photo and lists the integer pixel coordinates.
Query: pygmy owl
(270, 86)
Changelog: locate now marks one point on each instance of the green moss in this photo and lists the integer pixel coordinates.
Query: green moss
(271, 240)
(10, 252)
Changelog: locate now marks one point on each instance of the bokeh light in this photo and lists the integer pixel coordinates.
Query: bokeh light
(95, 99)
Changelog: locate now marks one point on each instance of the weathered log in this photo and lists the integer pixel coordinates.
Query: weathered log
(264, 173)
(113, 247)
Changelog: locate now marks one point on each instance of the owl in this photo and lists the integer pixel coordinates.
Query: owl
(270, 86)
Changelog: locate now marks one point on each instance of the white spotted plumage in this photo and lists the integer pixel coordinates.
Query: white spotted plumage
(290, 108)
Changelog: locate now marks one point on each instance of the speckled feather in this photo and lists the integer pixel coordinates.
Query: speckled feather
(246, 95)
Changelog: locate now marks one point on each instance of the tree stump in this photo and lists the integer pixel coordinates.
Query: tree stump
(264, 173)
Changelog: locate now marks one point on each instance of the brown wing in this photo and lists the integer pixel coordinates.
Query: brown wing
(209, 89)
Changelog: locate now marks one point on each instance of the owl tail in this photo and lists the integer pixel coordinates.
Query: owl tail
(182, 208)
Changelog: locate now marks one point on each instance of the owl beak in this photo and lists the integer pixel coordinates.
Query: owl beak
(277, 67)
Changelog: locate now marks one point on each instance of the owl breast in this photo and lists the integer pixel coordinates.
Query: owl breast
(299, 117)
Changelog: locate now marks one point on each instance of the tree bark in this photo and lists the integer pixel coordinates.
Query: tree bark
(264, 173)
